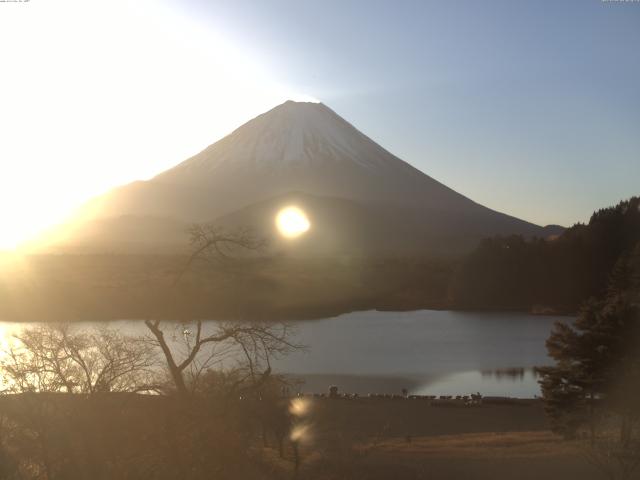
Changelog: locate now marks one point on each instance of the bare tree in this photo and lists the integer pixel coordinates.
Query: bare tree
(61, 358)
(254, 342)
(221, 249)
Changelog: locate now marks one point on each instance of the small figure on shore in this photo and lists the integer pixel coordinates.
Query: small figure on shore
(333, 391)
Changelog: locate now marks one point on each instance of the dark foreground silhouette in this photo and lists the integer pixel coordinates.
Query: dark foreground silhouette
(122, 436)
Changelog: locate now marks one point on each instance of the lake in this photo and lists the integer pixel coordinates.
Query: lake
(426, 352)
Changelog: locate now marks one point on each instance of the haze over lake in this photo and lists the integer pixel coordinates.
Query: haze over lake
(426, 351)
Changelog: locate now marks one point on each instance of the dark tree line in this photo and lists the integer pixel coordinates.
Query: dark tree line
(594, 387)
(548, 274)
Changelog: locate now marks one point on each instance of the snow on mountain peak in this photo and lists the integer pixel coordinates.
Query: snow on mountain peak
(293, 134)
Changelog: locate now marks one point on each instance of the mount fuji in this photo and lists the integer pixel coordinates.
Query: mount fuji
(360, 198)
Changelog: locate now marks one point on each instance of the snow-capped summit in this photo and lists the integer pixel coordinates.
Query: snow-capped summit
(292, 135)
(304, 147)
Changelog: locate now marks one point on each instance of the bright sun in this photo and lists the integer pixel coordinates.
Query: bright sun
(292, 222)
(79, 118)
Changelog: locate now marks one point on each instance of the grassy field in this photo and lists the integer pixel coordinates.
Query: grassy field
(405, 439)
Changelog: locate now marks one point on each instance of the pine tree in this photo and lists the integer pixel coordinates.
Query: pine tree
(597, 371)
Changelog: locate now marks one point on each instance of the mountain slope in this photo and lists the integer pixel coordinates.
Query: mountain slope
(309, 149)
(352, 228)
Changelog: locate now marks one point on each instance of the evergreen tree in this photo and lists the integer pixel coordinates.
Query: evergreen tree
(597, 371)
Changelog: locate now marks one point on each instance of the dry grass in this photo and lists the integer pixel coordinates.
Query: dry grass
(526, 455)
(490, 445)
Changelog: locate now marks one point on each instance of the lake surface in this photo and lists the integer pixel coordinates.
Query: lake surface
(426, 352)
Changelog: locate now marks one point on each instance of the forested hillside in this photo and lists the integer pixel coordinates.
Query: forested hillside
(548, 274)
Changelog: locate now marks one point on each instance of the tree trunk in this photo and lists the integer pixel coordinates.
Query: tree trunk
(174, 370)
(178, 380)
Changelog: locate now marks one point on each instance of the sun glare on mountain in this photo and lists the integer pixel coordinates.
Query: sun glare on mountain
(292, 222)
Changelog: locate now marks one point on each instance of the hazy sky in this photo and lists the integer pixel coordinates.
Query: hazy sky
(531, 108)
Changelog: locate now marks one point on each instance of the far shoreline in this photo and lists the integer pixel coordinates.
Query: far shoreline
(294, 317)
